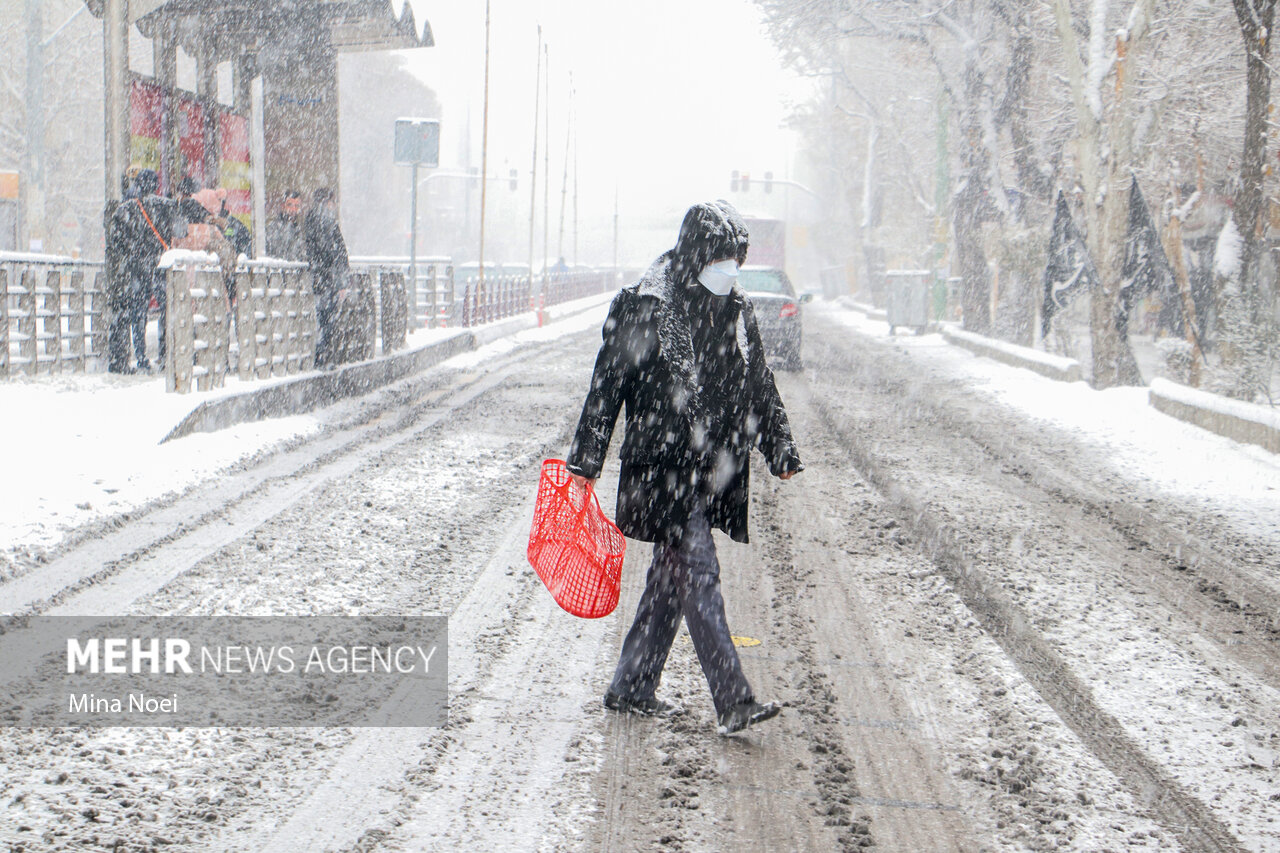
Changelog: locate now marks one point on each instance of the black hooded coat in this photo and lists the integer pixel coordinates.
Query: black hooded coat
(692, 413)
(139, 230)
(326, 250)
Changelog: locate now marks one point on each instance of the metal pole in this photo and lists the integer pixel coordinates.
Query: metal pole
(564, 181)
(115, 51)
(533, 174)
(413, 245)
(484, 142)
(575, 182)
(33, 102)
(546, 164)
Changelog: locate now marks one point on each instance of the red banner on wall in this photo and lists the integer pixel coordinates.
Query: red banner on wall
(191, 139)
(233, 133)
(146, 115)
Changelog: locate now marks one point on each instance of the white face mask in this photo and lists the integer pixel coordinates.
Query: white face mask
(719, 277)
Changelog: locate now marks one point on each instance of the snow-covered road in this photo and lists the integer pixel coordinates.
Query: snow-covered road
(994, 628)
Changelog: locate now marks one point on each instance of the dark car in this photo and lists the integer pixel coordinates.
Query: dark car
(777, 313)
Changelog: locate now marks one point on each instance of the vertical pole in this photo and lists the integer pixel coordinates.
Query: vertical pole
(165, 60)
(533, 172)
(575, 183)
(564, 180)
(546, 162)
(32, 189)
(115, 52)
(484, 142)
(615, 229)
(257, 160)
(413, 243)
(207, 89)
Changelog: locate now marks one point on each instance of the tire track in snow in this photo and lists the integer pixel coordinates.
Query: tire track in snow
(1190, 820)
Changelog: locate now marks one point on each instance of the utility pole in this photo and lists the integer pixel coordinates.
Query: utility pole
(115, 62)
(533, 175)
(615, 228)
(575, 181)
(484, 140)
(546, 163)
(32, 186)
(564, 181)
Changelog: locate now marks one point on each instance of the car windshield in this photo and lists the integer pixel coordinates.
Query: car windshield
(763, 281)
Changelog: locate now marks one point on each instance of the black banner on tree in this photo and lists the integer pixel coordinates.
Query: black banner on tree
(1146, 267)
(1070, 270)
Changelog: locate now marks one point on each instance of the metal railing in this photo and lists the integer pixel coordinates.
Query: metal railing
(432, 295)
(53, 313)
(274, 320)
(505, 296)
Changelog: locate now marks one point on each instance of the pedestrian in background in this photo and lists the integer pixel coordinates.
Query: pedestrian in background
(284, 232)
(236, 232)
(683, 353)
(327, 254)
(140, 229)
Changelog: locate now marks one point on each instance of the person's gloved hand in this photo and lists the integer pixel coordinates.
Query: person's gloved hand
(581, 481)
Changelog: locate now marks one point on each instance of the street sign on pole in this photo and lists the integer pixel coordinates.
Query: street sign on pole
(417, 143)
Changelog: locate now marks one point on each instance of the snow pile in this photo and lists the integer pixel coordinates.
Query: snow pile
(1226, 255)
(1252, 412)
(1053, 366)
(87, 446)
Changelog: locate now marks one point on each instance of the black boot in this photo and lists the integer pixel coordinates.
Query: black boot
(744, 714)
(651, 707)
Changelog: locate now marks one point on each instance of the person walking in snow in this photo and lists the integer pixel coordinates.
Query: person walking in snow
(683, 353)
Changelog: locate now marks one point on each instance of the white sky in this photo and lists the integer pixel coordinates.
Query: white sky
(671, 96)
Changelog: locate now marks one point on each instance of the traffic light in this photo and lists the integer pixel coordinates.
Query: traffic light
(746, 182)
(768, 182)
(733, 181)
(514, 179)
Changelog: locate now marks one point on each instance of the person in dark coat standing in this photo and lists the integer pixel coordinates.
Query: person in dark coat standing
(327, 254)
(284, 232)
(682, 352)
(140, 230)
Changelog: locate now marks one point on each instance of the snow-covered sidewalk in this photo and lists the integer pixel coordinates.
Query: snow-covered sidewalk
(79, 448)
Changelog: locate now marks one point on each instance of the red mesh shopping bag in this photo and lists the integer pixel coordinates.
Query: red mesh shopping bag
(575, 550)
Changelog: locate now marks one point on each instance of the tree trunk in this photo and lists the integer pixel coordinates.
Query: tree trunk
(972, 208)
(1113, 361)
(1242, 325)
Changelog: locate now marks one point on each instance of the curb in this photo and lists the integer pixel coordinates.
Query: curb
(864, 308)
(1052, 366)
(1248, 423)
(307, 393)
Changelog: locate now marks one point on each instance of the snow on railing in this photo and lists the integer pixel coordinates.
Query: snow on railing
(273, 309)
(53, 313)
(505, 296)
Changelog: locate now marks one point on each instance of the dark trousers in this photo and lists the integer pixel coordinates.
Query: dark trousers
(326, 339)
(162, 302)
(129, 317)
(683, 580)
